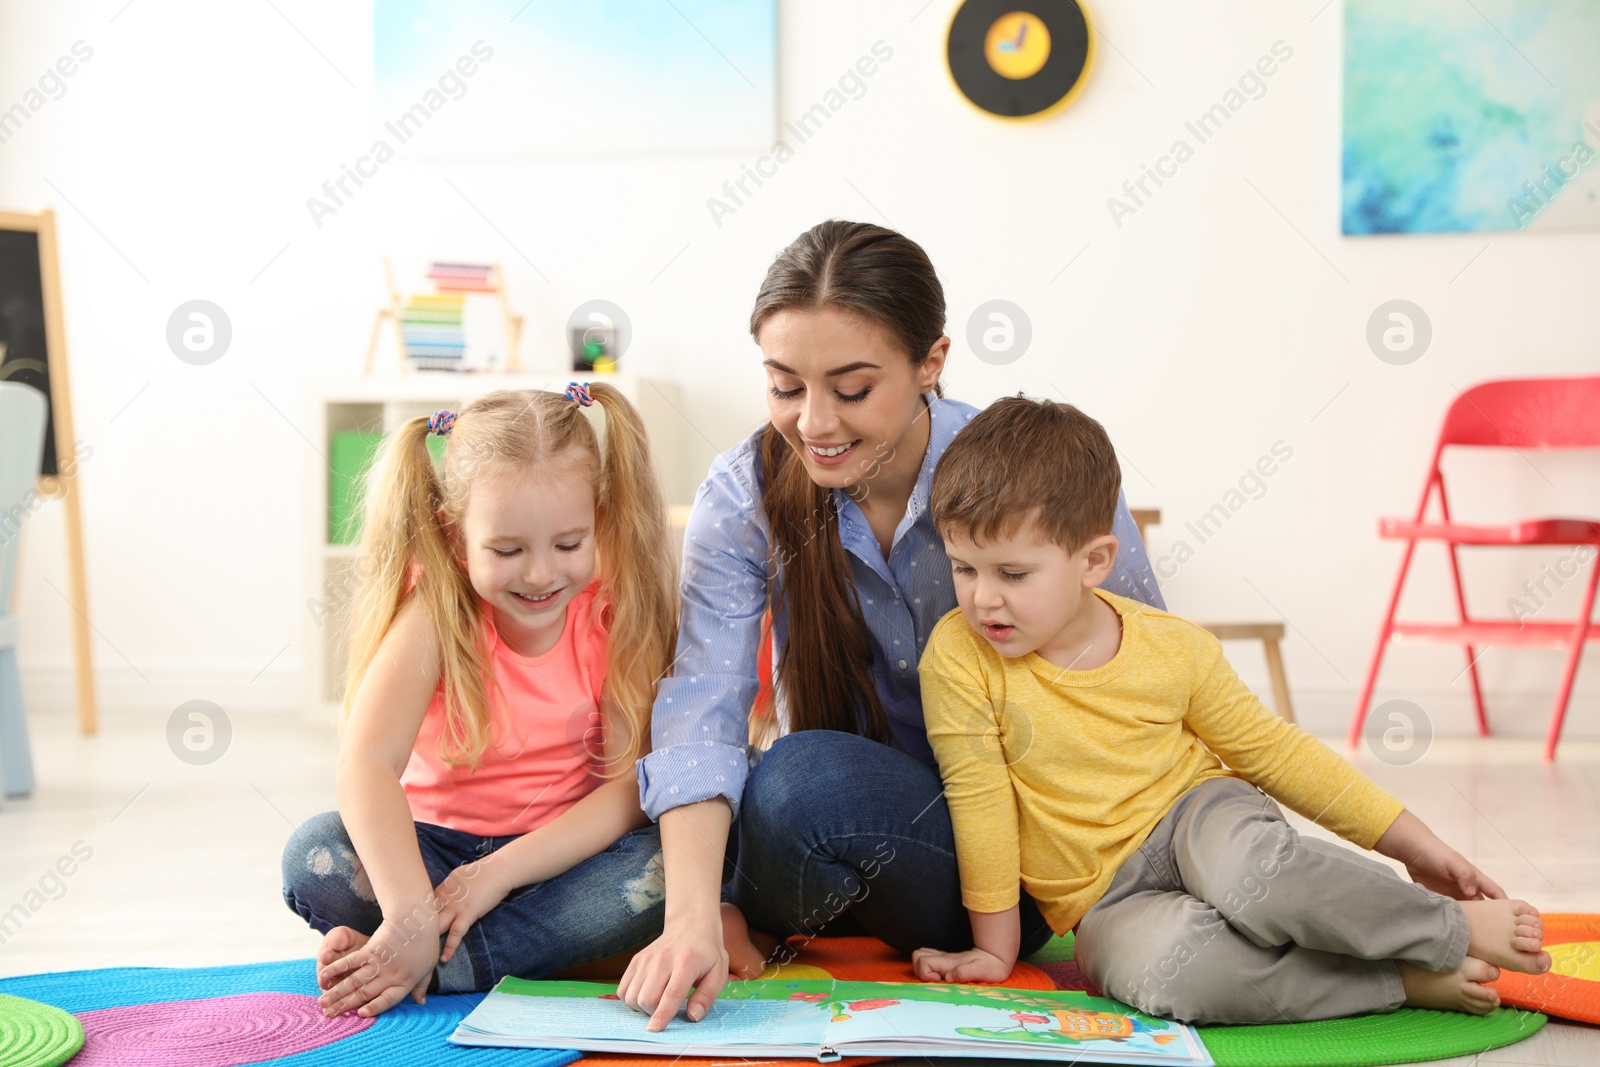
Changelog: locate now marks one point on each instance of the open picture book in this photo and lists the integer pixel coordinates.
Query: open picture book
(831, 1018)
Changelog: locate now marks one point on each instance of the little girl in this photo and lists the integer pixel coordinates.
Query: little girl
(517, 609)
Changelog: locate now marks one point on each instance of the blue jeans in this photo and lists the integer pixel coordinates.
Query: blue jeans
(610, 903)
(841, 835)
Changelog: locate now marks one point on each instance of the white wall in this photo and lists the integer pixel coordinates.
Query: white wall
(1220, 318)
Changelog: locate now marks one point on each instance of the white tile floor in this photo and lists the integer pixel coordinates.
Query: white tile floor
(183, 860)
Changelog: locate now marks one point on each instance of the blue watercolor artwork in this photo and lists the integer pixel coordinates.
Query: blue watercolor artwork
(1462, 117)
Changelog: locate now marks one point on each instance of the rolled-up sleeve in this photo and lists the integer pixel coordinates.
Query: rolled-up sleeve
(700, 722)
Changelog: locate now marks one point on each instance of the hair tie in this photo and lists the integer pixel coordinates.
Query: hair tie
(578, 392)
(441, 421)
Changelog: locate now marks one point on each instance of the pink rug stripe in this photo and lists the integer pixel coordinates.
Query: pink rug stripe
(215, 1032)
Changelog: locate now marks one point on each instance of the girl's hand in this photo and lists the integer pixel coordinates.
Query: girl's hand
(467, 894)
(688, 953)
(973, 965)
(376, 976)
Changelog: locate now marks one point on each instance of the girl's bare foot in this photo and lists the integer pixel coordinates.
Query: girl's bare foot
(748, 950)
(1507, 933)
(336, 944)
(1462, 989)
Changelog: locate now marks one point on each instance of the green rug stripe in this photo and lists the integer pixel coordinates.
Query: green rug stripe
(1054, 950)
(1402, 1036)
(36, 1035)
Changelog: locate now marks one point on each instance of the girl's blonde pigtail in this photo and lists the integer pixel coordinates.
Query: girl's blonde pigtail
(405, 538)
(639, 572)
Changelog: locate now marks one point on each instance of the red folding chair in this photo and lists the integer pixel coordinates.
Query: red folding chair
(1525, 414)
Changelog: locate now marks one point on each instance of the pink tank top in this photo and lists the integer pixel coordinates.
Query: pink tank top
(544, 730)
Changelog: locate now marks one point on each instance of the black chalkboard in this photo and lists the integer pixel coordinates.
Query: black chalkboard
(24, 355)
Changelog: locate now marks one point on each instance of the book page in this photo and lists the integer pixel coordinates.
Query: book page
(563, 1014)
(1049, 1024)
(853, 1018)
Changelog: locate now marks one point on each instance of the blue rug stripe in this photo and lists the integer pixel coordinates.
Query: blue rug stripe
(116, 987)
(407, 1034)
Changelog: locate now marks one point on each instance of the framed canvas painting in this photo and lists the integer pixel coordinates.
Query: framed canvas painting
(1475, 116)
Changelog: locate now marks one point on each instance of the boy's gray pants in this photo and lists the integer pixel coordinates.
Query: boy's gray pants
(1226, 915)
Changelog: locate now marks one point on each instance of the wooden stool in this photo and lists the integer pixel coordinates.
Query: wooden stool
(1268, 633)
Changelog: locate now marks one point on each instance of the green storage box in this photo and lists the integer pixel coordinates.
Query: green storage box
(351, 453)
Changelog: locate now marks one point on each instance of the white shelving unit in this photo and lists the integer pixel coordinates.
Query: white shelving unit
(383, 404)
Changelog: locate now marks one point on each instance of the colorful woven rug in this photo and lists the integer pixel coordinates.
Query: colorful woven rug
(255, 1013)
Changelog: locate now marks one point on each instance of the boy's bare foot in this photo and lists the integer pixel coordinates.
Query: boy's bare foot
(748, 950)
(1507, 933)
(1462, 989)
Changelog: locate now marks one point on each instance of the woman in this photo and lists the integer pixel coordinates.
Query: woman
(841, 826)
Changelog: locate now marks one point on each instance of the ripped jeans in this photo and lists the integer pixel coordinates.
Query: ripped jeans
(610, 903)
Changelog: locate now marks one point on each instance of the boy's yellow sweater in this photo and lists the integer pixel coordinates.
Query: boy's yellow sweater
(1054, 777)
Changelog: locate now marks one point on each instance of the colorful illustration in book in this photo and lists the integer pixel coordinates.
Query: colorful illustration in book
(1076, 1024)
(842, 1009)
(1038, 1018)
(1072, 1027)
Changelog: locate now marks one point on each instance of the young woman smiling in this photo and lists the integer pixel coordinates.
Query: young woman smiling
(821, 516)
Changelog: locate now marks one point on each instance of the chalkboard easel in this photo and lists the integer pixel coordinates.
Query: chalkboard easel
(33, 351)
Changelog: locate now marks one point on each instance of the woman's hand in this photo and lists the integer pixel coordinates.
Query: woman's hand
(690, 950)
(466, 895)
(688, 953)
(973, 965)
(376, 976)
(1434, 864)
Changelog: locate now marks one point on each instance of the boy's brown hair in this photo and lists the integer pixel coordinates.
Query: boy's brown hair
(1020, 458)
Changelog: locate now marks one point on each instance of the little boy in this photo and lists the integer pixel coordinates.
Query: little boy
(1104, 755)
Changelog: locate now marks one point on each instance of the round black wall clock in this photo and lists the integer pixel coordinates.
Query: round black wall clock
(1019, 59)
